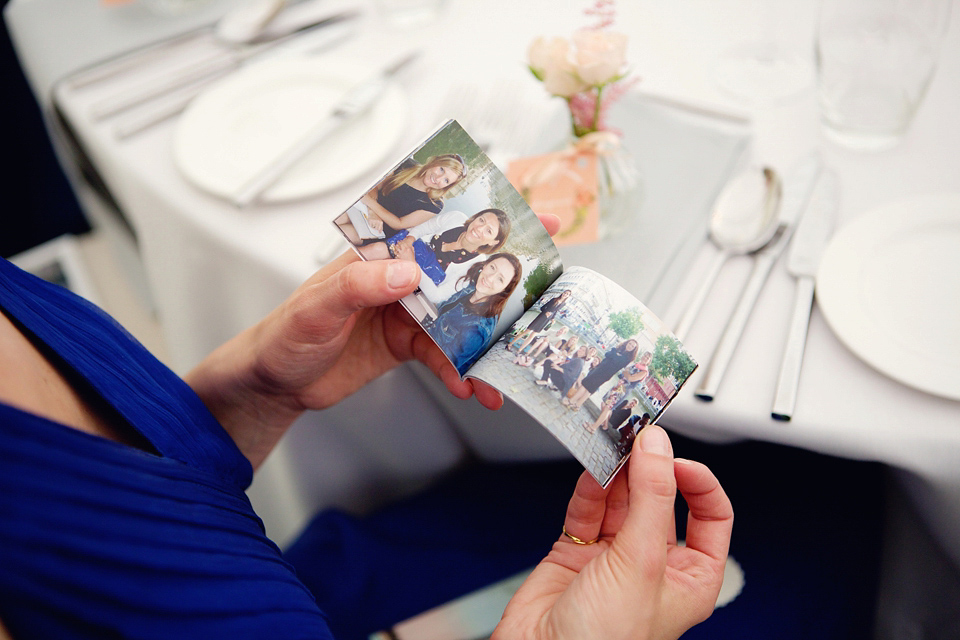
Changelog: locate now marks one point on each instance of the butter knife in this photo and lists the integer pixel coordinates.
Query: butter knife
(356, 102)
(808, 244)
(797, 188)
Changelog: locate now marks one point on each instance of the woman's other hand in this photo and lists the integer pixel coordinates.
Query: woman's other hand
(635, 582)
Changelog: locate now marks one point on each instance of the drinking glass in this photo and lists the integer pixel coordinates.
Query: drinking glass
(875, 60)
(767, 66)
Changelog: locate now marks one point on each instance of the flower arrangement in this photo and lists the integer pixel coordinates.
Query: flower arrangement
(589, 70)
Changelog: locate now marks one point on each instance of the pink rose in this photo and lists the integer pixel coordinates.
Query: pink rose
(551, 60)
(600, 56)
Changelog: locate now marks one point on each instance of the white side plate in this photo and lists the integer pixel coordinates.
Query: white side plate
(889, 287)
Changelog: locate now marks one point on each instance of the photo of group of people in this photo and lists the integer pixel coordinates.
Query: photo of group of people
(592, 364)
(576, 351)
(483, 254)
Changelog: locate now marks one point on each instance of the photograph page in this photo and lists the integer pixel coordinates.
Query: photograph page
(572, 348)
(483, 254)
(591, 364)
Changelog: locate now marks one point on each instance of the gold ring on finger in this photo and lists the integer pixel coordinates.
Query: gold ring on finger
(577, 540)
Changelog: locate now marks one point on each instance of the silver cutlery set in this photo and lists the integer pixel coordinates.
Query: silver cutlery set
(172, 73)
(745, 219)
(807, 215)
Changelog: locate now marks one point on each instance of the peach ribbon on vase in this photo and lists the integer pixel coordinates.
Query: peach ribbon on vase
(598, 143)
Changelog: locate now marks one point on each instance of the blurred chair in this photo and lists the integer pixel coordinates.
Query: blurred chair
(38, 200)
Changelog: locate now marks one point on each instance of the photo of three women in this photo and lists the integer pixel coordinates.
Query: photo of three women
(467, 277)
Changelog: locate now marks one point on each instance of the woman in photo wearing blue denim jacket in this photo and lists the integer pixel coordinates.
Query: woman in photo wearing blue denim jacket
(466, 321)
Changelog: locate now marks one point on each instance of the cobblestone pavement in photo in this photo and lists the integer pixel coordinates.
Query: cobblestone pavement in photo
(596, 451)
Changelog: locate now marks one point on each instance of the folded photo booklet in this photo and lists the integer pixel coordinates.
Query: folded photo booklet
(575, 350)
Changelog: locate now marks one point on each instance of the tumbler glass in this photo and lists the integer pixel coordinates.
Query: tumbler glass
(875, 60)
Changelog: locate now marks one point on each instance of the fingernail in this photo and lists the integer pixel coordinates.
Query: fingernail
(655, 440)
(400, 274)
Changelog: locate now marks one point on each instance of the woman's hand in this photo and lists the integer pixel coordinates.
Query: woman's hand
(635, 582)
(403, 250)
(338, 331)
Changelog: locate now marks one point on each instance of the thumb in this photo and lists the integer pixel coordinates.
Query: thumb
(653, 491)
(361, 285)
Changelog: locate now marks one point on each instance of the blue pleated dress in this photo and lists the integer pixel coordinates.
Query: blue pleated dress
(100, 539)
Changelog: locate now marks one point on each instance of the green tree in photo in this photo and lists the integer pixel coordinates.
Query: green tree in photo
(670, 360)
(536, 283)
(626, 324)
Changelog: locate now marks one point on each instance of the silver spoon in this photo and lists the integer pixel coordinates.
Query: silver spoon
(744, 219)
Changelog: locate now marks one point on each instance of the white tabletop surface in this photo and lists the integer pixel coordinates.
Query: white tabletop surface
(214, 269)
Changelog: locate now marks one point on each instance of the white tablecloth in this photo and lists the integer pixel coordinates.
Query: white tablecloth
(214, 270)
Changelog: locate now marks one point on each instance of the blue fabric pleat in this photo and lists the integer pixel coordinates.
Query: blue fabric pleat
(100, 539)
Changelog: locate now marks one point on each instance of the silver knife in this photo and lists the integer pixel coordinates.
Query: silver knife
(798, 186)
(356, 102)
(808, 244)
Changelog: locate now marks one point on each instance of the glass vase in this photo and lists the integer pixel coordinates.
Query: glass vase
(619, 190)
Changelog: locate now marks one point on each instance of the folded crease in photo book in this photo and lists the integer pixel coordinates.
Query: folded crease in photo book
(576, 351)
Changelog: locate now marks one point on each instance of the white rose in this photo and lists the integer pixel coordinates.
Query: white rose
(563, 82)
(599, 56)
(550, 59)
(543, 51)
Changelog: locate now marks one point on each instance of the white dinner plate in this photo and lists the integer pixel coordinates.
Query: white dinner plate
(234, 129)
(889, 287)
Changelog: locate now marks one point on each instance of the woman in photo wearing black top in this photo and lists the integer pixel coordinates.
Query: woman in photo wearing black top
(547, 312)
(410, 196)
(613, 361)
